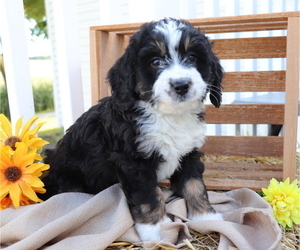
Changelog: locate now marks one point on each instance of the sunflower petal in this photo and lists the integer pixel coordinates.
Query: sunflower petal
(36, 142)
(3, 138)
(39, 190)
(28, 192)
(25, 201)
(39, 144)
(19, 124)
(3, 191)
(32, 180)
(38, 157)
(36, 167)
(34, 130)
(20, 151)
(28, 159)
(5, 159)
(15, 194)
(5, 203)
(28, 125)
(5, 125)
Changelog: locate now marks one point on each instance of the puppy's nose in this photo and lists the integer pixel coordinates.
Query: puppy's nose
(181, 86)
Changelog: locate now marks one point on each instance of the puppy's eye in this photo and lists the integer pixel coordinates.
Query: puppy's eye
(191, 58)
(156, 62)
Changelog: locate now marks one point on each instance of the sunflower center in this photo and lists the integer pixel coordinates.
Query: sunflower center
(11, 141)
(13, 174)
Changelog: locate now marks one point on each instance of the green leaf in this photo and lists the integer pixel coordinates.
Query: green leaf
(35, 10)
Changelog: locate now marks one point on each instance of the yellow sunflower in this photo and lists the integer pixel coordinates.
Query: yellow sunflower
(19, 176)
(8, 137)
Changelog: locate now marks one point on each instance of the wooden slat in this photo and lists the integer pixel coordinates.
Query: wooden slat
(249, 48)
(254, 20)
(95, 60)
(245, 171)
(224, 28)
(245, 114)
(106, 48)
(292, 97)
(240, 166)
(229, 184)
(230, 175)
(242, 175)
(271, 146)
(246, 19)
(243, 27)
(254, 81)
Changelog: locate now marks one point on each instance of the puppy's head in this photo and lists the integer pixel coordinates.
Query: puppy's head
(168, 64)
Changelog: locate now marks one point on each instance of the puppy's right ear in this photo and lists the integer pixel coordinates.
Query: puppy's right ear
(121, 77)
(216, 76)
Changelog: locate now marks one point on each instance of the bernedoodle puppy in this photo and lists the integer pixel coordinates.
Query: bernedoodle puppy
(148, 130)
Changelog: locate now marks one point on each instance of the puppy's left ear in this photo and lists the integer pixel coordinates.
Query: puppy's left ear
(215, 80)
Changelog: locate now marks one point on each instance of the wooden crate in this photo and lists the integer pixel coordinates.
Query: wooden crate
(108, 44)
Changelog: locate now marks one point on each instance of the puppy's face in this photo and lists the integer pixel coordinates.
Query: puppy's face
(173, 66)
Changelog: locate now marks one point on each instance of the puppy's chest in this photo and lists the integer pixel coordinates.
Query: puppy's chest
(172, 136)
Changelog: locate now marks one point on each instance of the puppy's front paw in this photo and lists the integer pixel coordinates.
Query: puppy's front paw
(206, 216)
(150, 232)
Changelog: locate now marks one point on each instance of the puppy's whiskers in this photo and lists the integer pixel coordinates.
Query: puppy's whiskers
(215, 92)
(217, 88)
(146, 92)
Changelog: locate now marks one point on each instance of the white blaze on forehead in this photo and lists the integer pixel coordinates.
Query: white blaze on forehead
(174, 69)
(172, 31)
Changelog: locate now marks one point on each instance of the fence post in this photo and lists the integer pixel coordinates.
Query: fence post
(16, 60)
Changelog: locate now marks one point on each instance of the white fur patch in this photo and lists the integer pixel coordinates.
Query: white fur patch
(162, 90)
(163, 93)
(172, 31)
(172, 135)
(170, 124)
(150, 232)
(206, 216)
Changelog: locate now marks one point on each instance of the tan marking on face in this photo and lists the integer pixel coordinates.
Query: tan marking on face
(187, 43)
(161, 46)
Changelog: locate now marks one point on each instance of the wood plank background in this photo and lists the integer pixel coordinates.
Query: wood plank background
(245, 114)
(256, 47)
(271, 146)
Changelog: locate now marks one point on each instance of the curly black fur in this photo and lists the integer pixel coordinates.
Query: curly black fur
(103, 146)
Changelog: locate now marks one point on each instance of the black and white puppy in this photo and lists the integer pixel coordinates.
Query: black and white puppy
(149, 129)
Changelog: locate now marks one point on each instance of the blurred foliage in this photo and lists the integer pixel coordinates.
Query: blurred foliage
(42, 95)
(35, 10)
(4, 106)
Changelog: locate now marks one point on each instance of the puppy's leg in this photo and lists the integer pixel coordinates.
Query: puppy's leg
(146, 202)
(187, 182)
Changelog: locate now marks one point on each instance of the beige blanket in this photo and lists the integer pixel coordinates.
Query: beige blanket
(82, 221)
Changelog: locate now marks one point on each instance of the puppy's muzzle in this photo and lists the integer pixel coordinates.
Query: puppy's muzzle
(181, 86)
